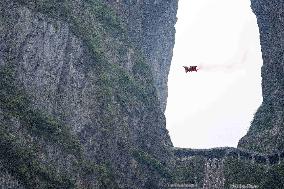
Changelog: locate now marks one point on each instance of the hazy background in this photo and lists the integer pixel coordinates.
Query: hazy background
(214, 107)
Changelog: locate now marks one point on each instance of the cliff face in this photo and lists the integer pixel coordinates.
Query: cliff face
(150, 28)
(266, 131)
(83, 90)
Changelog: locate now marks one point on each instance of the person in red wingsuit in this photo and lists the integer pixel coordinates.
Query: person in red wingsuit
(190, 69)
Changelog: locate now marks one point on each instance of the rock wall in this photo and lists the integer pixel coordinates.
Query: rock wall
(83, 90)
(7, 181)
(150, 28)
(266, 131)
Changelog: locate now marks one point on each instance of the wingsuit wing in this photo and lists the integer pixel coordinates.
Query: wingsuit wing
(186, 69)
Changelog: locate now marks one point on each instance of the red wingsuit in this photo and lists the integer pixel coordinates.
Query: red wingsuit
(190, 69)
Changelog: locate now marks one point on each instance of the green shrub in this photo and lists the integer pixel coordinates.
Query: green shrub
(274, 178)
(262, 119)
(243, 172)
(154, 164)
(190, 171)
(22, 163)
(105, 177)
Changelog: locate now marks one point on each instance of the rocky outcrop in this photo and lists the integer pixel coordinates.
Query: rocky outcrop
(82, 93)
(266, 131)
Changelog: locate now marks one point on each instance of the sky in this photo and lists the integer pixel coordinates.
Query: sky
(214, 107)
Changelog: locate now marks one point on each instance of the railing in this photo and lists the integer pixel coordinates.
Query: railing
(184, 154)
(180, 186)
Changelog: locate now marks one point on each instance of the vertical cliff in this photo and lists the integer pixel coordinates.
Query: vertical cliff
(150, 28)
(266, 132)
(82, 93)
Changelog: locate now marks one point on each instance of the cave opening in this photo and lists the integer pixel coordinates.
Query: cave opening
(214, 106)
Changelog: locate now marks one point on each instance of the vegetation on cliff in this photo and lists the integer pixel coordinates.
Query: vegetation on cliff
(14, 102)
(190, 171)
(152, 163)
(20, 159)
(118, 90)
(244, 172)
(91, 20)
(22, 163)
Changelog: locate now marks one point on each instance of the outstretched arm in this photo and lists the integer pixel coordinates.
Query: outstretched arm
(185, 69)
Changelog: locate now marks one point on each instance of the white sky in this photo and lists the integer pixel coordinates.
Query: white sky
(214, 107)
